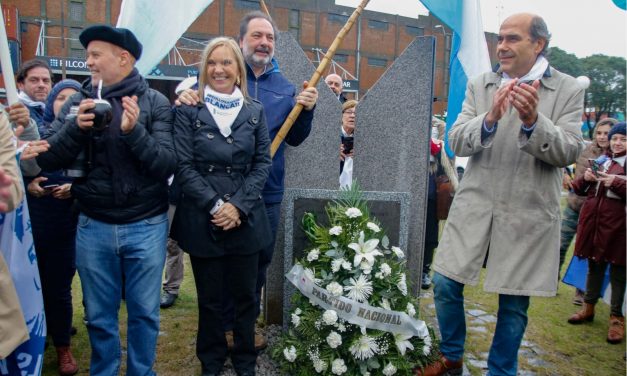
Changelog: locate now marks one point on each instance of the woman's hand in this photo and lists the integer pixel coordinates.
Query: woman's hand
(227, 217)
(62, 192)
(606, 179)
(589, 175)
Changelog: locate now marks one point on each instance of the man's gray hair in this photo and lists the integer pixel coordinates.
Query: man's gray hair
(243, 24)
(539, 30)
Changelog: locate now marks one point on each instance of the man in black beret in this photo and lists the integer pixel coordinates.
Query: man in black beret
(123, 163)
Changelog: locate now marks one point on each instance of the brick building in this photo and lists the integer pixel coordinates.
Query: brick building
(50, 29)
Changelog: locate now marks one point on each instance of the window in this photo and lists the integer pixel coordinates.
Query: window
(414, 30)
(376, 62)
(77, 13)
(76, 48)
(340, 58)
(379, 25)
(294, 23)
(247, 4)
(337, 18)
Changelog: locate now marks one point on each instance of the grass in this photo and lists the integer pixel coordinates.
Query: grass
(566, 349)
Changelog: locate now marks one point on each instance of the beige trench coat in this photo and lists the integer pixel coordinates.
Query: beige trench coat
(509, 198)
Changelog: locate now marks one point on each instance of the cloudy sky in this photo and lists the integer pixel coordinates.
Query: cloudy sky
(582, 27)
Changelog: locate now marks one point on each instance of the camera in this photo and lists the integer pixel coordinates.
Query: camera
(348, 142)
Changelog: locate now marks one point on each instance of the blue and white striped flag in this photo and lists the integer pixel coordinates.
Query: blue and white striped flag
(18, 250)
(469, 52)
(158, 25)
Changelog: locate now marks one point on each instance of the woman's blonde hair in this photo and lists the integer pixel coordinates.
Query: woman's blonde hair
(228, 43)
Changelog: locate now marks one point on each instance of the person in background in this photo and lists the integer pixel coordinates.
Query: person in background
(54, 232)
(34, 80)
(520, 125)
(347, 135)
(335, 83)
(601, 231)
(570, 217)
(223, 151)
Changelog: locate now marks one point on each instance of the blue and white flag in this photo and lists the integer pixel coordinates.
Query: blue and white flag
(18, 250)
(158, 25)
(469, 52)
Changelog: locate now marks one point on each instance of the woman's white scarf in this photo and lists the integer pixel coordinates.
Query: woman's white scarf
(536, 72)
(224, 108)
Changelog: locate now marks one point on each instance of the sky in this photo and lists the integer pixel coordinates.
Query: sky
(584, 28)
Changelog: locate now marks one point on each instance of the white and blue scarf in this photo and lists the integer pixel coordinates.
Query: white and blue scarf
(224, 108)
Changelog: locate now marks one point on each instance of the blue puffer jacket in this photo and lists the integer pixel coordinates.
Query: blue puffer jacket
(278, 96)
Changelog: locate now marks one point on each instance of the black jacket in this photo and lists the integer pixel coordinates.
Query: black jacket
(150, 143)
(211, 167)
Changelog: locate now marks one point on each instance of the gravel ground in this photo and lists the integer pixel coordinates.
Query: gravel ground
(265, 366)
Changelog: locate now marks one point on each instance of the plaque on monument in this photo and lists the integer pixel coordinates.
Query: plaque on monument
(391, 209)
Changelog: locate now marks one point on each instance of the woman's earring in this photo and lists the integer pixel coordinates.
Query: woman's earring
(237, 81)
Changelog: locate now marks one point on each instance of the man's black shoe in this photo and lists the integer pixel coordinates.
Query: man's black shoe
(167, 299)
(426, 282)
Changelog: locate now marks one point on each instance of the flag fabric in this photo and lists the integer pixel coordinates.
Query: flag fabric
(18, 250)
(469, 51)
(158, 25)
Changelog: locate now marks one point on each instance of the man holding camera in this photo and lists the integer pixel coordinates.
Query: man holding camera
(122, 146)
(520, 125)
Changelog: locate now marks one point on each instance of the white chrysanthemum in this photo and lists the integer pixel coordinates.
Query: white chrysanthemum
(398, 252)
(411, 310)
(402, 284)
(320, 365)
(290, 354)
(335, 230)
(353, 213)
(334, 339)
(389, 369)
(402, 342)
(385, 304)
(298, 311)
(295, 320)
(335, 289)
(346, 265)
(329, 317)
(313, 255)
(385, 269)
(359, 289)
(364, 348)
(365, 250)
(338, 367)
(373, 227)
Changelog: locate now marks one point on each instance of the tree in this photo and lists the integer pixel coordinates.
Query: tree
(607, 84)
(565, 62)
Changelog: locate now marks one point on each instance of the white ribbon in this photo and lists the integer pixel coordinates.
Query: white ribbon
(354, 312)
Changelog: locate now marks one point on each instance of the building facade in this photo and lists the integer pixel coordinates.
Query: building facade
(50, 28)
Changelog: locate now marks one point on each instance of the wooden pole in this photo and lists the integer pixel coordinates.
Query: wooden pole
(264, 8)
(291, 118)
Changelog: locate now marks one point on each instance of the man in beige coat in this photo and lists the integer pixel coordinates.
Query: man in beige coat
(12, 326)
(519, 126)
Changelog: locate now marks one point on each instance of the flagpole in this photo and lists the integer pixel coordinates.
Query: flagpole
(7, 65)
(291, 118)
(264, 8)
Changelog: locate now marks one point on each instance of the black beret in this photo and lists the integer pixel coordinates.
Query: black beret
(118, 36)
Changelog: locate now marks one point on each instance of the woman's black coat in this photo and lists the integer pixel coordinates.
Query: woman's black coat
(210, 167)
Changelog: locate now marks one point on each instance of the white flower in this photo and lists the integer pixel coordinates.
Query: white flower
(290, 354)
(338, 367)
(313, 255)
(359, 289)
(411, 310)
(373, 226)
(365, 250)
(389, 370)
(402, 284)
(335, 289)
(320, 365)
(310, 274)
(402, 342)
(398, 252)
(426, 350)
(298, 311)
(346, 265)
(329, 317)
(353, 213)
(385, 269)
(365, 267)
(337, 264)
(385, 304)
(334, 339)
(364, 348)
(341, 328)
(295, 320)
(335, 230)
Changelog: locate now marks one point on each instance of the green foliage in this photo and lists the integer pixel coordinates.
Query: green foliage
(565, 62)
(607, 84)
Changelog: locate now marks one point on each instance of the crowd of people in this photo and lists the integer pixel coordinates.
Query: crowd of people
(115, 174)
